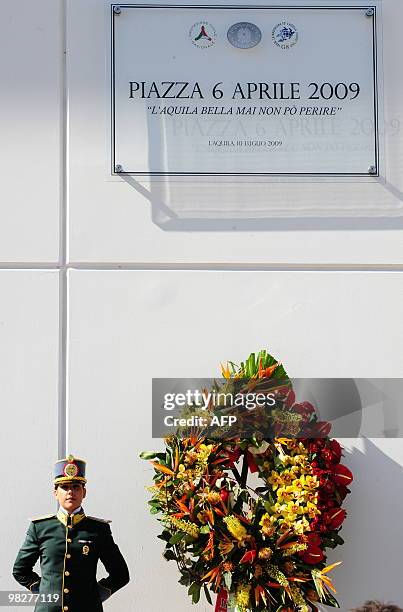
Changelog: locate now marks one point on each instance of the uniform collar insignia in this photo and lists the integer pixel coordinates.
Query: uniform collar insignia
(75, 518)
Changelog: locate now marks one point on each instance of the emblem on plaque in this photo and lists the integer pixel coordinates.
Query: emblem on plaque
(70, 470)
(86, 549)
(244, 35)
(285, 35)
(202, 34)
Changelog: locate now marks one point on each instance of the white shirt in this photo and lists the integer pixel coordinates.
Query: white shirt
(76, 511)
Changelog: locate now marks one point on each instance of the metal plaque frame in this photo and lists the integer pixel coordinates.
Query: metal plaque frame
(374, 167)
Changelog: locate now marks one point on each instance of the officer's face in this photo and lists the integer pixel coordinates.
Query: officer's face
(70, 495)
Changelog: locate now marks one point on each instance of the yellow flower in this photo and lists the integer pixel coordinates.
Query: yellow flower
(311, 509)
(242, 596)
(204, 451)
(298, 599)
(275, 480)
(310, 482)
(291, 550)
(322, 580)
(235, 528)
(213, 497)
(275, 573)
(283, 494)
(265, 553)
(186, 526)
(267, 524)
(225, 371)
(299, 527)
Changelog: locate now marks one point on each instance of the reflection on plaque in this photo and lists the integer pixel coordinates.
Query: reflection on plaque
(238, 91)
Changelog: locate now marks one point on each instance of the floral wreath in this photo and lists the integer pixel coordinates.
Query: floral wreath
(258, 548)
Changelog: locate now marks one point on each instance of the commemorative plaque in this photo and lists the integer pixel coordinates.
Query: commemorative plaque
(233, 90)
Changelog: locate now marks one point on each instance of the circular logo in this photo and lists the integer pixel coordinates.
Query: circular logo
(285, 35)
(202, 34)
(70, 469)
(244, 35)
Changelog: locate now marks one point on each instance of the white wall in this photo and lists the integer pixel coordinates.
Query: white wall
(81, 338)
(29, 337)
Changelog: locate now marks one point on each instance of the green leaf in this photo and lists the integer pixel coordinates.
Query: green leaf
(165, 535)
(192, 588)
(196, 596)
(148, 455)
(205, 529)
(169, 555)
(154, 510)
(207, 594)
(177, 537)
(189, 539)
(338, 539)
(331, 600)
(194, 591)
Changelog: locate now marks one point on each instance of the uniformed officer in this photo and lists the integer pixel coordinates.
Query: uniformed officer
(69, 545)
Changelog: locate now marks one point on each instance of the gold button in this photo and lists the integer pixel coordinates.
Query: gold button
(67, 573)
(65, 607)
(68, 556)
(69, 526)
(66, 590)
(69, 540)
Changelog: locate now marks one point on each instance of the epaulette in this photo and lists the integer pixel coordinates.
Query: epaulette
(94, 518)
(42, 518)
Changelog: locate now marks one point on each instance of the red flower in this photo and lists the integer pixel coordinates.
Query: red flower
(305, 409)
(342, 475)
(290, 399)
(342, 491)
(248, 557)
(233, 456)
(334, 518)
(322, 428)
(224, 494)
(251, 462)
(312, 555)
(312, 539)
(336, 450)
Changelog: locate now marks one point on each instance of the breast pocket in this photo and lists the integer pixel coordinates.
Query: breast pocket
(87, 547)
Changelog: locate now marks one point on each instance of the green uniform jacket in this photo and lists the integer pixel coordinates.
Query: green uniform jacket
(69, 555)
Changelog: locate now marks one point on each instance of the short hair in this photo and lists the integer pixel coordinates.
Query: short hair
(377, 606)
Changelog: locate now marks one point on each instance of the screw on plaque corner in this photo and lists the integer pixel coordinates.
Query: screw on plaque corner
(370, 12)
(117, 10)
(118, 168)
(372, 170)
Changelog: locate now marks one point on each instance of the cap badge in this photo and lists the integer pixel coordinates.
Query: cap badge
(70, 470)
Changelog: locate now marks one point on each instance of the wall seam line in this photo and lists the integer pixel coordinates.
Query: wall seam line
(183, 267)
(63, 295)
